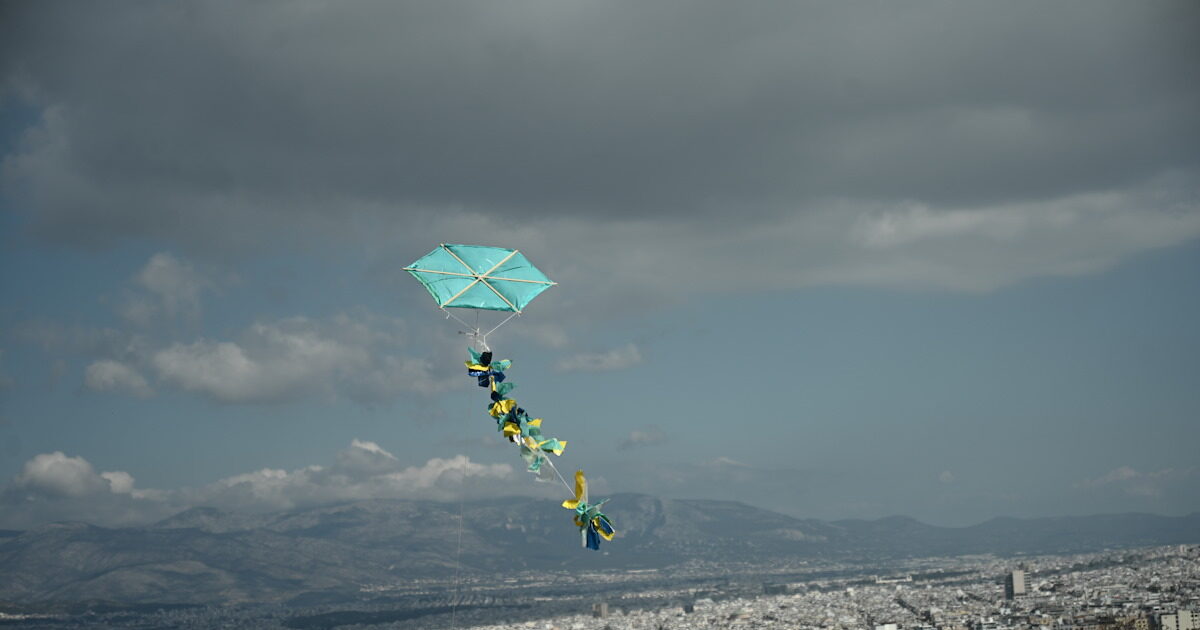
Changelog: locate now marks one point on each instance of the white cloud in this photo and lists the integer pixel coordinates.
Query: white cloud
(365, 458)
(359, 356)
(1122, 473)
(54, 486)
(370, 447)
(171, 289)
(119, 482)
(1129, 481)
(946, 477)
(57, 487)
(615, 359)
(114, 376)
(647, 436)
(438, 479)
(57, 475)
(287, 364)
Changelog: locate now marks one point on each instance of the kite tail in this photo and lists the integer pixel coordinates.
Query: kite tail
(514, 423)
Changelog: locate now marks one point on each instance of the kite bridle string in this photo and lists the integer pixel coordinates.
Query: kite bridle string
(471, 331)
(474, 332)
(515, 313)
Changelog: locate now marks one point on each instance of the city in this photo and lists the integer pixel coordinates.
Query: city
(1141, 589)
(1136, 589)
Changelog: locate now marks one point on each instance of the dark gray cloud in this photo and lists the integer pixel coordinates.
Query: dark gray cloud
(961, 145)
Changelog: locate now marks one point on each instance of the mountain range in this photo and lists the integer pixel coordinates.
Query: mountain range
(204, 555)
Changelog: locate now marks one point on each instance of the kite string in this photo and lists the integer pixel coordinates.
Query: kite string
(570, 489)
(458, 551)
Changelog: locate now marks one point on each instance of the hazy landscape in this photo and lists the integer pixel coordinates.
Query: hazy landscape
(392, 557)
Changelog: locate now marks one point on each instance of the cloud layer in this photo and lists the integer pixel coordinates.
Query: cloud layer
(362, 357)
(55, 486)
(356, 355)
(718, 149)
(1133, 483)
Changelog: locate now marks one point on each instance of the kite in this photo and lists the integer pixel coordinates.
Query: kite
(497, 279)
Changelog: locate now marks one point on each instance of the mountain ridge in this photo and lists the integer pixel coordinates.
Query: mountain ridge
(205, 555)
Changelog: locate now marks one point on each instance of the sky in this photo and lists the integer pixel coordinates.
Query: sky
(838, 260)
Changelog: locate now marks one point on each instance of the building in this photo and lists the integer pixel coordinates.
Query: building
(1180, 620)
(1014, 584)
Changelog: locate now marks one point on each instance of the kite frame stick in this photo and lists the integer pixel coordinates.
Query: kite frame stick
(486, 277)
(480, 277)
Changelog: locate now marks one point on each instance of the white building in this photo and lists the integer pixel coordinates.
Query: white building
(1180, 620)
(1014, 584)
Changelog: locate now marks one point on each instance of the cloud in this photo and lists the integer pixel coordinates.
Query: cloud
(356, 354)
(119, 482)
(54, 486)
(272, 489)
(172, 289)
(113, 376)
(946, 477)
(838, 241)
(57, 487)
(1129, 481)
(888, 155)
(648, 436)
(359, 356)
(615, 359)
(57, 475)
(365, 457)
(57, 338)
(289, 364)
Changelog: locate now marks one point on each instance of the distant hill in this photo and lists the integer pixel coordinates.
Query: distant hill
(204, 555)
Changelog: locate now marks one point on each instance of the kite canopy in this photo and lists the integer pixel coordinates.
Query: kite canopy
(473, 276)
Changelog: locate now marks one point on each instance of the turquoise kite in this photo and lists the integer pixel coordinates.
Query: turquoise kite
(473, 276)
(498, 279)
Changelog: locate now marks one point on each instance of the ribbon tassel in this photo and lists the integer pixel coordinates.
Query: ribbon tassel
(516, 426)
(592, 523)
